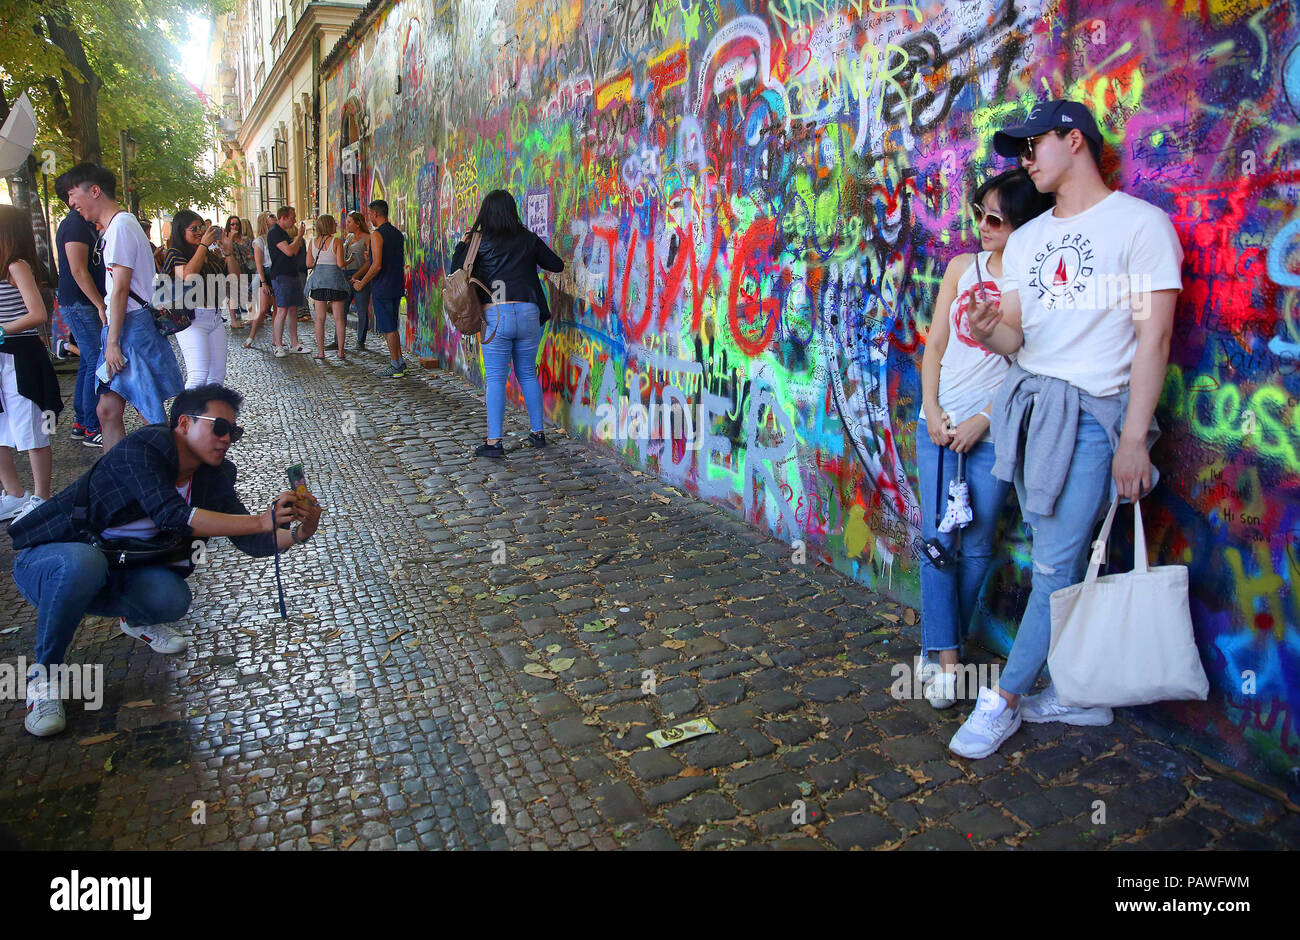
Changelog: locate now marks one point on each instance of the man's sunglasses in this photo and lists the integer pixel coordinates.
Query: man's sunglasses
(1027, 145)
(994, 220)
(221, 427)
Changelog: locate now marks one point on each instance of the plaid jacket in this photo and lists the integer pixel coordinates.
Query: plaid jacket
(135, 479)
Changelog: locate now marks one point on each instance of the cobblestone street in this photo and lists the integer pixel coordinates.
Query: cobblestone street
(393, 709)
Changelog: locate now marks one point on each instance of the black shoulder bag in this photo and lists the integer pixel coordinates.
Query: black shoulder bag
(165, 548)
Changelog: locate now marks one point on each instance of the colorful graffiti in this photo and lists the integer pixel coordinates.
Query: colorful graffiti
(756, 202)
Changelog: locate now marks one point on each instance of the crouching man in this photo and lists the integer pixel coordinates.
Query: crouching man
(161, 480)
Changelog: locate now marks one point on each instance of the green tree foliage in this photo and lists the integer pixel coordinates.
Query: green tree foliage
(94, 67)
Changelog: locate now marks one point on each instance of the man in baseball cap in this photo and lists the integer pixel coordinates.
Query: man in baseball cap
(1087, 309)
(1060, 116)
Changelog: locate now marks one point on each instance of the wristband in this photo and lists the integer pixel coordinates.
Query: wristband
(2, 334)
(293, 534)
(987, 415)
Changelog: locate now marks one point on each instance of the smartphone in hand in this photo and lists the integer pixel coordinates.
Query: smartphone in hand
(102, 372)
(297, 481)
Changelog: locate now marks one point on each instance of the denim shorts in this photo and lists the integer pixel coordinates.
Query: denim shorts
(385, 313)
(288, 291)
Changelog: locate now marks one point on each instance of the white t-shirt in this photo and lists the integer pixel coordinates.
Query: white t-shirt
(971, 374)
(144, 527)
(1080, 280)
(125, 244)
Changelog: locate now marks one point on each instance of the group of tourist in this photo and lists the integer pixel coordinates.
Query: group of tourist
(1034, 376)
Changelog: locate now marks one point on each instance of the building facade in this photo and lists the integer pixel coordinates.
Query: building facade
(267, 56)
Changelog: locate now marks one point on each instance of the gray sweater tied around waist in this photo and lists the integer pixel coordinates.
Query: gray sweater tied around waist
(1047, 410)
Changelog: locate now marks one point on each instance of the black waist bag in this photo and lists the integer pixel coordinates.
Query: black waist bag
(165, 548)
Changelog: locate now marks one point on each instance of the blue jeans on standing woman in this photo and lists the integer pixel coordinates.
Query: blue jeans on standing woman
(83, 320)
(516, 333)
(949, 595)
(1060, 550)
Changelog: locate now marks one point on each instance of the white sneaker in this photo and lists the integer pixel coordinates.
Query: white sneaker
(44, 709)
(941, 690)
(1045, 706)
(280, 352)
(988, 726)
(32, 502)
(10, 506)
(163, 639)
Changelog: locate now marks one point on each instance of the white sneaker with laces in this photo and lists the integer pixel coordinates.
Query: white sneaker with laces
(32, 502)
(44, 709)
(161, 638)
(11, 506)
(1045, 706)
(991, 723)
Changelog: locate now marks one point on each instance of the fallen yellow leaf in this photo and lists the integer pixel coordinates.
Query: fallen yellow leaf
(98, 738)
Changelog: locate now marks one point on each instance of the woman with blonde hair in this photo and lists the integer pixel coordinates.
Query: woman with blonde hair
(329, 285)
(261, 279)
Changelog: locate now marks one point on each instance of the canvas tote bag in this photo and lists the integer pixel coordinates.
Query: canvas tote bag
(1125, 639)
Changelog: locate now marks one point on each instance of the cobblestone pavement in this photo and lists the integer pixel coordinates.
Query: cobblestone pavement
(393, 709)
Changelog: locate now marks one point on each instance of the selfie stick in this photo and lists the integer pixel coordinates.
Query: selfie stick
(275, 543)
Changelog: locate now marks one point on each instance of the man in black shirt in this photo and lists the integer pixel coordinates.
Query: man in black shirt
(81, 298)
(283, 245)
(160, 479)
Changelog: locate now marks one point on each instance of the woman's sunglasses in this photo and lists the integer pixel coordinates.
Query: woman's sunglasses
(221, 427)
(994, 220)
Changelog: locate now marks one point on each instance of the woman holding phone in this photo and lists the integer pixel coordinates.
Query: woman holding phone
(958, 381)
(198, 273)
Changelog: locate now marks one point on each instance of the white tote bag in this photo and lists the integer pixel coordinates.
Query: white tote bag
(1125, 639)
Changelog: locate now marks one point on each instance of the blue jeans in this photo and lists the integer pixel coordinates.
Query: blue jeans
(83, 320)
(361, 304)
(64, 581)
(949, 595)
(516, 332)
(1061, 545)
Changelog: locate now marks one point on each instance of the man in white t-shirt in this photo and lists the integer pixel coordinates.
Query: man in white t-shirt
(140, 363)
(1087, 309)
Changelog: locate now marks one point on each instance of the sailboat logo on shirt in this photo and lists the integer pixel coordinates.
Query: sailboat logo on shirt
(1061, 272)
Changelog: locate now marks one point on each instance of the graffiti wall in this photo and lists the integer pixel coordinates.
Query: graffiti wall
(756, 203)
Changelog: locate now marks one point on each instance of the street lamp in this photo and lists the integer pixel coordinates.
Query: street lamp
(130, 148)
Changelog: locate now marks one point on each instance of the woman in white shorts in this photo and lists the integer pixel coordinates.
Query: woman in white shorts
(29, 389)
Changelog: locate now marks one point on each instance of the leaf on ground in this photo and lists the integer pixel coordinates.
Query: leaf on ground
(538, 670)
(394, 637)
(333, 634)
(673, 644)
(97, 738)
(692, 772)
(248, 630)
(139, 703)
(892, 618)
(591, 720)
(481, 597)
(554, 648)
(559, 665)
(108, 763)
(909, 616)
(595, 627)
(321, 839)
(763, 659)
(348, 841)
(383, 659)
(455, 589)
(532, 562)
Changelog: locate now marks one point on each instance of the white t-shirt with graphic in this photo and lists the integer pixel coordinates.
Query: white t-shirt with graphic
(125, 244)
(1081, 282)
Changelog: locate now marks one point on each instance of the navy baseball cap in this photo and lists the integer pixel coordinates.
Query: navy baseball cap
(1046, 117)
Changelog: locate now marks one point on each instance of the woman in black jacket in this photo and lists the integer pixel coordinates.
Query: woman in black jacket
(507, 262)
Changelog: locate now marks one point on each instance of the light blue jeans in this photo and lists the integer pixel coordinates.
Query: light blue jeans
(1061, 545)
(949, 595)
(64, 581)
(516, 333)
